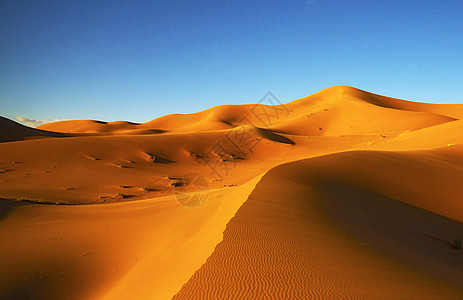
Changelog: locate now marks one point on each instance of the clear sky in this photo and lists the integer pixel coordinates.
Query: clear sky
(137, 60)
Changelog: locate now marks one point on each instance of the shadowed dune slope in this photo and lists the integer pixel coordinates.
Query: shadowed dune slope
(339, 226)
(11, 131)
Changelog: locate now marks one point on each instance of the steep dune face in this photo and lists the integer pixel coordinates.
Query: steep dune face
(450, 110)
(341, 194)
(12, 131)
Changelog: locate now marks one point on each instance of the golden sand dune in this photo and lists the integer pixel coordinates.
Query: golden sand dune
(311, 229)
(342, 194)
(86, 126)
(333, 111)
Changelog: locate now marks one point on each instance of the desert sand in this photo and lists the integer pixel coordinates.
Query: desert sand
(342, 194)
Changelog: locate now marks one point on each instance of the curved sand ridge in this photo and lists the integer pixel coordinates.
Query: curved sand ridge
(360, 199)
(313, 229)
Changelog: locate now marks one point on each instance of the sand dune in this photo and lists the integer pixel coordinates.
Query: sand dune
(333, 107)
(13, 131)
(114, 251)
(89, 126)
(308, 231)
(341, 194)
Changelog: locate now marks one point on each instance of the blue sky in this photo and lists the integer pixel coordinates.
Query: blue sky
(138, 60)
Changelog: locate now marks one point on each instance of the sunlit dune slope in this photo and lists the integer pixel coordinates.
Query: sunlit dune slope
(89, 126)
(140, 250)
(339, 226)
(129, 167)
(324, 113)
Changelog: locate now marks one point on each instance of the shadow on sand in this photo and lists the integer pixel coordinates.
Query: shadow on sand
(6, 206)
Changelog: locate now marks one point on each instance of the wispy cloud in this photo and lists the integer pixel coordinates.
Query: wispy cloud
(34, 123)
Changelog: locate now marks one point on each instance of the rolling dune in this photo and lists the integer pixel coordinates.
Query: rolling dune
(342, 194)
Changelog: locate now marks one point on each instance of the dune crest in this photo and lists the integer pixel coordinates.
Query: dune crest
(345, 99)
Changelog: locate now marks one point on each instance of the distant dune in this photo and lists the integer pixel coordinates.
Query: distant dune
(342, 194)
(304, 116)
(89, 126)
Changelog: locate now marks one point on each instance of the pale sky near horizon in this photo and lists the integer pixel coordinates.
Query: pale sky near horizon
(138, 60)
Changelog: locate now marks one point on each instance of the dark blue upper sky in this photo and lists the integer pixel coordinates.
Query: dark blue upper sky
(137, 60)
